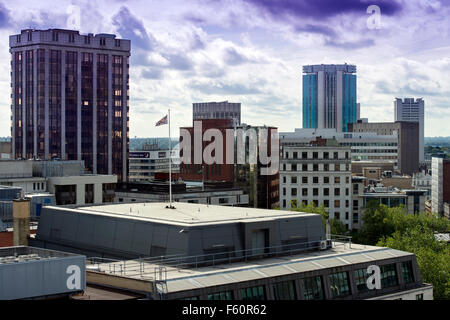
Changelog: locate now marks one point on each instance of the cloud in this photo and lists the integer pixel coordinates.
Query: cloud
(220, 88)
(4, 16)
(310, 28)
(363, 43)
(319, 9)
(133, 29)
(154, 73)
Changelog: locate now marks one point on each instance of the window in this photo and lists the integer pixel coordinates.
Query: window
(313, 288)
(337, 191)
(87, 40)
(347, 180)
(304, 167)
(326, 179)
(293, 167)
(55, 36)
(30, 36)
(190, 298)
(346, 216)
(419, 296)
(102, 41)
(304, 191)
(407, 272)
(71, 38)
(326, 167)
(227, 295)
(337, 204)
(255, 293)
(18, 38)
(284, 179)
(315, 191)
(304, 154)
(117, 43)
(315, 155)
(337, 167)
(388, 275)
(284, 191)
(315, 179)
(325, 155)
(293, 179)
(339, 286)
(361, 277)
(326, 203)
(293, 191)
(347, 203)
(284, 203)
(336, 155)
(347, 192)
(337, 215)
(315, 167)
(304, 179)
(337, 180)
(295, 155)
(326, 191)
(284, 290)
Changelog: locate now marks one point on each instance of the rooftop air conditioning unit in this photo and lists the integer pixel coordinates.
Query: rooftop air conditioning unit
(323, 245)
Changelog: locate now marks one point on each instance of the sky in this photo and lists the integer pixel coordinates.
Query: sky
(252, 52)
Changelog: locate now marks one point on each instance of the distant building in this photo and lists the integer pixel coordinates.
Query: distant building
(408, 140)
(70, 98)
(440, 185)
(39, 274)
(411, 110)
(319, 176)
(144, 164)
(329, 96)
(217, 110)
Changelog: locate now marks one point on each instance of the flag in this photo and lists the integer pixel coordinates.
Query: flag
(162, 121)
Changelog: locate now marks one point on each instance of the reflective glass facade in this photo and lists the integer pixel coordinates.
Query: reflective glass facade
(310, 101)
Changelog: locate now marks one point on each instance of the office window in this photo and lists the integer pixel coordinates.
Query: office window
(361, 277)
(337, 167)
(347, 203)
(315, 179)
(293, 191)
(388, 275)
(347, 191)
(337, 215)
(284, 203)
(337, 203)
(315, 167)
(326, 167)
(339, 285)
(284, 290)
(313, 288)
(336, 155)
(284, 166)
(326, 203)
(284, 179)
(315, 155)
(293, 179)
(304, 155)
(407, 272)
(304, 167)
(304, 191)
(347, 180)
(326, 179)
(419, 296)
(87, 40)
(284, 191)
(325, 155)
(255, 293)
(227, 295)
(287, 155)
(71, 38)
(346, 216)
(295, 155)
(337, 180)
(337, 191)
(326, 191)
(293, 167)
(315, 203)
(315, 191)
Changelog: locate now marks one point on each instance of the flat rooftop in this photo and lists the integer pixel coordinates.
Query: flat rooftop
(21, 254)
(181, 279)
(185, 214)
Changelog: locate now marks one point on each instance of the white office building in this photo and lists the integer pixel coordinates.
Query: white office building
(412, 110)
(319, 175)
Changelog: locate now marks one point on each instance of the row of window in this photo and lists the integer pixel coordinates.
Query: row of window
(316, 180)
(315, 192)
(313, 287)
(71, 38)
(317, 167)
(314, 155)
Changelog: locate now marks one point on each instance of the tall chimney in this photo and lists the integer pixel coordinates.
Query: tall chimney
(21, 221)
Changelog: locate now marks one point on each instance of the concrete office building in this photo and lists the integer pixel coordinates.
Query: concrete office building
(67, 180)
(70, 98)
(440, 184)
(39, 274)
(217, 110)
(408, 140)
(368, 148)
(318, 175)
(329, 96)
(411, 110)
(144, 164)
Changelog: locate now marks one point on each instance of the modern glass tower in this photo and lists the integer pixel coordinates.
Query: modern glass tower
(70, 98)
(329, 96)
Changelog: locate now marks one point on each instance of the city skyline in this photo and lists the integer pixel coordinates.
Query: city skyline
(226, 56)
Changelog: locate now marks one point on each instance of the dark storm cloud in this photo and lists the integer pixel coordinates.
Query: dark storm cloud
(322, 8)
(4, 16)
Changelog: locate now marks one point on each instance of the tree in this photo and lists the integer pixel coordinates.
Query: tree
(433, 257)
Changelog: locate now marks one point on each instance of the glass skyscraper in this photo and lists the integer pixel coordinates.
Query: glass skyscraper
(329, 96)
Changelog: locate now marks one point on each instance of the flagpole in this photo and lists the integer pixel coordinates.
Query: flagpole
(170, 167)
